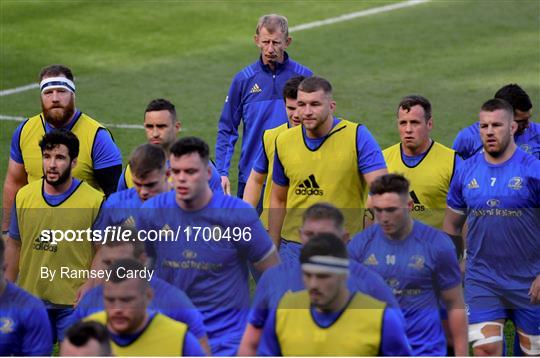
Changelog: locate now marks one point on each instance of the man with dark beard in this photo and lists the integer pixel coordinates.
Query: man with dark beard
(99, 161)
(49, 249)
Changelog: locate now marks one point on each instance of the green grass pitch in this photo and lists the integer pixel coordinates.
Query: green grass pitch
(125, 53)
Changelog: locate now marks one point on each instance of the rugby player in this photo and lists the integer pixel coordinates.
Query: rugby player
(149, 174)
(498, 193)
(420, 265)
(162, 127)
(215, 237)
(327, 319)
(254, 98)
(86, 339)
(318, 219)
(64, 204)
(427, 164)
(99, 161)
(25, 328)
(135, 330)
(526, 137)
(325, 159)
(167, 299)
(261, 174)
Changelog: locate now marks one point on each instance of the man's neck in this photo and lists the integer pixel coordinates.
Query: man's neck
(418, 151)
(3, 285)
(321, 131)
(402, 235)
(167, 150)
(339, 303)
(198, 203)
(507, 154)
(57, 190)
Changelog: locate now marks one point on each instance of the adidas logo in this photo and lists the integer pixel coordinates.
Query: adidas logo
(43, 244)
(309, 187)
(473, 184)
(166, 228)
(255, 89)
(129, 222)
(371, 260)
(417, 205)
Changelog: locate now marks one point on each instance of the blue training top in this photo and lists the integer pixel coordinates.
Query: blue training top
(25, 329)
(417, 269)
(256, 98)
(502, 204)
(208, 258)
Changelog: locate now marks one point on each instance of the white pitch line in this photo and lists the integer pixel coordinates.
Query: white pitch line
(301, 27)
(355, 15)
(18, 89)
(108, 125)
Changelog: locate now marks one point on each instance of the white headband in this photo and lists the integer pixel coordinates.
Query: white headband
(57, 82)
(326, 264)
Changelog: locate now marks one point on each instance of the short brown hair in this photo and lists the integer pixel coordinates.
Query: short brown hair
(54, 71)
(390, 183)
(496, 104)
(321, 211)
(162, 104)
(516, 96)
(291, 87)
(314, 84)
(415, 100)
(145, 159)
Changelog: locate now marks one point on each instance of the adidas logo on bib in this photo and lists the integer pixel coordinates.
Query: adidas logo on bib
(309, 187)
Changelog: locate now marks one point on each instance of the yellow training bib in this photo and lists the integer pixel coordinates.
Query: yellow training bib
(327, 174)
(36, 218)
(357, 331)
(33, 131)
(163, 336)
(430, 180)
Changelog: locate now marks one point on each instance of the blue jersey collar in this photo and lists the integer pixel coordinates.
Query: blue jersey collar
(280, 66)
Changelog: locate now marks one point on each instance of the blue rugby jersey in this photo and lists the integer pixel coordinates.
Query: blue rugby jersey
(502, 204)
(25, 329)
(256, 98)
(119, 208)
(209, 259)
(417, 268)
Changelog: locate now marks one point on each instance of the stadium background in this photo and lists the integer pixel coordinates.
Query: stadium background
(125, 53)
